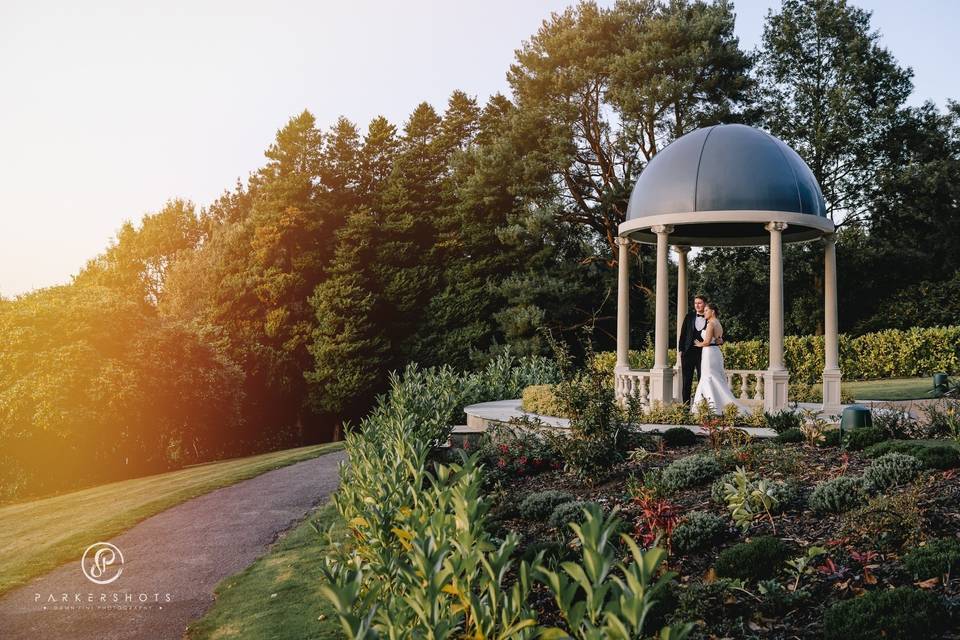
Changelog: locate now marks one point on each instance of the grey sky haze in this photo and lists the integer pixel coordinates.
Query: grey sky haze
(111, 108)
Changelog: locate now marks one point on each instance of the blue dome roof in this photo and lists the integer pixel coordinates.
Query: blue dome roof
(729, 167)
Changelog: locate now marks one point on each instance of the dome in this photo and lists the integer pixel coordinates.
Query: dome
(720, 185)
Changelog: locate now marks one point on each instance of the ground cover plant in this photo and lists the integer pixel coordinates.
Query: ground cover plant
(776, 538)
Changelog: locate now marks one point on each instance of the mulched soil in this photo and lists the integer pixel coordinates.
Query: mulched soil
(931, 509)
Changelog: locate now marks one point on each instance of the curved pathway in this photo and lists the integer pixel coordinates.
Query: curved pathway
(172, 561)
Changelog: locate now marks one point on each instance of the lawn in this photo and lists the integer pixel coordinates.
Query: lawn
(38, 536)
(892, 389)
(278, 596)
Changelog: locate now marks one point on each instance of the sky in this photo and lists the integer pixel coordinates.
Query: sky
(109, 109)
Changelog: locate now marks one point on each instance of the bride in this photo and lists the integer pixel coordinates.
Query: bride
(712, 386)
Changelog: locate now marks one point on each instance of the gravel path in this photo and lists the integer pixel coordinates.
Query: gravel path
(172, 561)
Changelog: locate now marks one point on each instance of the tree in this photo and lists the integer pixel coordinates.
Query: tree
(139, 259)
(602, 90)
(832, 92)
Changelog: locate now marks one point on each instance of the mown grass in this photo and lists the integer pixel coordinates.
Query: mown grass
(38, 536)
(892, 389)
(278, 596)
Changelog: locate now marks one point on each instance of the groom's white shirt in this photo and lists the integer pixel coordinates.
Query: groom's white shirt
(699, 322)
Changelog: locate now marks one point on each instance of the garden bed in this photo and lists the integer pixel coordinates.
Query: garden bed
(863, 547)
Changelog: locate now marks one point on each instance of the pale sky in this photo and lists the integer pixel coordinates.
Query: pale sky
(108, 109)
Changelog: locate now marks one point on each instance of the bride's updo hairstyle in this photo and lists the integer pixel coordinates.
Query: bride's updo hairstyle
(713, 307)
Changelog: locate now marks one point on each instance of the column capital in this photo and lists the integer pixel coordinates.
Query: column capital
(682, 248)
(775, 226)
(620, 240)
(830, 238)
(662, 228)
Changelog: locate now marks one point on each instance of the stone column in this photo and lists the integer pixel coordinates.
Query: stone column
(623, 303)
(777, 378)
(661, 376)
(831, 367)
(682, 298)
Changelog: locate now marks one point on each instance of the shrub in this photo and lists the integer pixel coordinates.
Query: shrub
(871, 356)
(891, 470)
(540, 399)
(837, 495)
(786, 493)
(895, 614)
(831, 438)
(789, 435)
(860, 439)
(698, 531)
(887, 521)
(935, 559)
(755, 560)
(599, 596)
(679, 437)
(933, 455)
(540, 504)
(943, 418)
(690, 471)
(516, 449)
(748, 498)
(896, 422)
(567, 512)
(783, 420)
(718, 490)
(672, 414)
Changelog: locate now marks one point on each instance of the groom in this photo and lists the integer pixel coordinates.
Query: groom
(693, 324)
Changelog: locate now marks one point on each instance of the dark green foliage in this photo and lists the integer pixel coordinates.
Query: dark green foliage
(553, 552)
(935, 559)
(891, 470)
(787, 494)
(698, 531)
(679, 437)
(831, 438)
(789, 435)
(896, 614)
(859, 439)
(758, 559)
(690, 471)
(718, 490)
(566, 513)
(933, 455)
(837, 495)
(784, 420)
(540, 504)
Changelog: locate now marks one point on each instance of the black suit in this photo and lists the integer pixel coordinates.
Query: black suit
(689, 353)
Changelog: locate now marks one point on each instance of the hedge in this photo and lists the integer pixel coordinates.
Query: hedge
(885, 354)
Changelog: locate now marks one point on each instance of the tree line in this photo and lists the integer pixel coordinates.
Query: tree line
(274, 314)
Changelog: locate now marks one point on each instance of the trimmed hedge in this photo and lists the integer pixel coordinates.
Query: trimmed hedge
(871, 356)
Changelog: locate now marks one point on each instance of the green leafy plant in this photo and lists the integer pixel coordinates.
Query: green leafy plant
(792, 435)
(937, 558)
(542, 400)
(540, 504)
(863, 437)
(891, 470)
(600, 597)
(783, 420)
(903, 613)
(567, 513)
(679, 437)
(933, 455)
(837, 495)
(760, 558)
(690, 471)
(801, 566)
(748, 499)
(697, 531)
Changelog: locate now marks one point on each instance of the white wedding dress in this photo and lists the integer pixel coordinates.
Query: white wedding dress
(713, 386)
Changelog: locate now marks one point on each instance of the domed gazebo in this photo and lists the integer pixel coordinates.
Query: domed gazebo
(726, 185)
